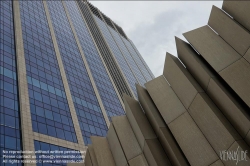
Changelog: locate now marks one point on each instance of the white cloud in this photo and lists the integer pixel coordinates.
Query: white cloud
(153, 25)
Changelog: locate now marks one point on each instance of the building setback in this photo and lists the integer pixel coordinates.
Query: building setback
(194, 114)
(64, 67)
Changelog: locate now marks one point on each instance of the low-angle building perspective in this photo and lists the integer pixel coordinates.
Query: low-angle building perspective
(75, 91)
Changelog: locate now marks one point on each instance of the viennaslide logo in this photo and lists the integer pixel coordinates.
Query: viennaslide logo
(237, 156)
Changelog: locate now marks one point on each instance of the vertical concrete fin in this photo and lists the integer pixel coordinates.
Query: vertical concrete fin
(126, 137)
(237, 77)
(150, 109)
(212, 47)
(192, 141)
(138, 161)
(138, 120)
(239, 10)
(223, 59)
(92, 155)
(115, 147)
(234, 34)
(155, 154)
(146, 137)
(194, 63)
(165, 99)
(165, 137)
(102, 151)
(87, 159)
(185, 131)
(213, 124)
(218, 131)
(181, 81)
(217, 91)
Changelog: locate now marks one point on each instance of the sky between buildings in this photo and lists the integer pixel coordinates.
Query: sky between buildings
(152, 25)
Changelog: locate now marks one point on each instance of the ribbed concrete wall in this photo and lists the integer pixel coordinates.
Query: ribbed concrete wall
(193, 112)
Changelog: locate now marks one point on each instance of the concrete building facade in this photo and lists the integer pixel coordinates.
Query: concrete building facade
(64, 66)
(197, 112)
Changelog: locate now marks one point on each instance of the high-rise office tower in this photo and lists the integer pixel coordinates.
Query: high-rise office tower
(64, 67)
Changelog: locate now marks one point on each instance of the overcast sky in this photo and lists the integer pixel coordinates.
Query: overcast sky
(152, 25)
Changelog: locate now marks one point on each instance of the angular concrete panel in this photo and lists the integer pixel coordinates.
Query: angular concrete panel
(247, 55)
(215, 127)
(155, 154)
(165, 99)
(115, 147)
(165, 137)
(150, 109)
(138, 161)
(127, 137)
(239, 10)
(102, 151)
(194, 63)
(172, 148)
(192, 142)
(138, 120)
(234, 34)
(235, 113)
(92, 155)
(212, 47)
(183, 84)
(225, 101)
(87, 159)
(217, 163)
(237, 76)
(247, 139)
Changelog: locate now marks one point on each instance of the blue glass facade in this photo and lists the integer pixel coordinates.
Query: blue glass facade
(9, 106)
(106, 90)
(58, 158)
(129, 58)
(86, 105)
(48, 104)
(49, 108)
(117, 53)
(126, 54)
(143, 61)
(137, 60)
